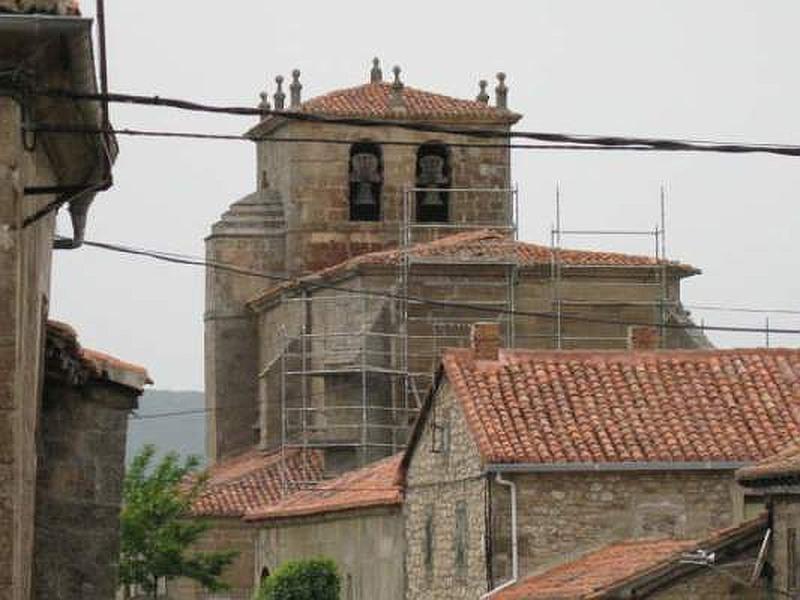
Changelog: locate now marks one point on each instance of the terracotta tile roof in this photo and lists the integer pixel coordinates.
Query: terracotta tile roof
(612, 406)
(782, 466)
(373, 100)
(598, 574)
(62, 338)
(50, 7)
(377, 484)
(483, 246)
(253, 480)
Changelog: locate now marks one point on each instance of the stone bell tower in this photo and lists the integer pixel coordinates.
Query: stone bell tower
(326, 193)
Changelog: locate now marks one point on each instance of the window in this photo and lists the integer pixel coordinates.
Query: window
(433, 179)
(366, 181)
(460, 540)
(428, 543)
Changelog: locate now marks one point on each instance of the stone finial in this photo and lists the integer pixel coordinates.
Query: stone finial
(295, 88)
(482, 97)
(501, 92)
(376, 75)
(279, 97)
(396, 100)
(264, 104)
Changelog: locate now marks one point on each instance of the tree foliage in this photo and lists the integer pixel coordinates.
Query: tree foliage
(311, 579)
(155, 532)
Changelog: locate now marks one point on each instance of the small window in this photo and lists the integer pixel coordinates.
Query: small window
(264, 574)
(433, 181)
(429, 543)
(460, 540)
(366, 182)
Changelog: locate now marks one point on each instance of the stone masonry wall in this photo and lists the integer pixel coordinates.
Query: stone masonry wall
(367, 546)
(316, 189)
(563, 515)
(726, 582)
(25, 259)
(79, 490)
(444, 485)
(226, 534)
(786, 515)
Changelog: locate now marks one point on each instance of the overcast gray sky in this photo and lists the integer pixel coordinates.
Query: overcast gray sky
(714, 69)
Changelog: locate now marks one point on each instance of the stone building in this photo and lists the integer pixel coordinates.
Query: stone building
(524, 459)
(62, 410)
(777, 480)
(661, 569)
(349, 212)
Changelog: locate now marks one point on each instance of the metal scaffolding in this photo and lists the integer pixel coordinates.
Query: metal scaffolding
(655, 274)
(353, 370)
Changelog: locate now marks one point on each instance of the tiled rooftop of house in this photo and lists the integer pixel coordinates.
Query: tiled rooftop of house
(600, 573)
(374, 100)
(50, 7)
(253, 480)
(783, 466)
(99, 365)
(377, 484)
(484, 246)
(615, 406)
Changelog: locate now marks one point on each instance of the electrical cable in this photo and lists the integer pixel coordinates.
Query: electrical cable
(195, 261)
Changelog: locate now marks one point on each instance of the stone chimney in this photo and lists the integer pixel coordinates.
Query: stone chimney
(376, 75)
(279, 97)
(501, 92)
(485, 340)
(295, 88)
(643, 338)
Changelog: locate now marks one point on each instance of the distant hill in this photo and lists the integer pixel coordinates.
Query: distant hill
(183, 433)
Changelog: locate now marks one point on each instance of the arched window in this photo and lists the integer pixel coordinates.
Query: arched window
(433, 173)
(264, 575)
(366, 181)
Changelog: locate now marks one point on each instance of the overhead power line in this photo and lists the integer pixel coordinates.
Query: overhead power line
(662, 144)
(445, 304)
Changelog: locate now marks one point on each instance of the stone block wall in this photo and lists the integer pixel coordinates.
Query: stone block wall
(563, 515)
(313, 179)
(25, 261)
(79, 490)
(367, 546)
(785, 516)
(445, 485)
(225, 534)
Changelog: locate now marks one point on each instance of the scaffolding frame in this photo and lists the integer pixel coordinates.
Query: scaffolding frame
(558, 268)
(382, 350)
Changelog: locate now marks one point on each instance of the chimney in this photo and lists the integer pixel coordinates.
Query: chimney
(376, 75)
(295, 88)
(483, 97)
(501, 92)
(485, 340)
(643, 338)
(279, 97)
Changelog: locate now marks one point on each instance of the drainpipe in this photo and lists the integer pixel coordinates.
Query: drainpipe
(514, 546)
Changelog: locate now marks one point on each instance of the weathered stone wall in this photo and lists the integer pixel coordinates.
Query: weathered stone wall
(79, 490)
(725, 582)
(225, 534)
(367, 546)
(25, 258)
(315, 187)
(445, 478)
(785, 516)
(563, 515)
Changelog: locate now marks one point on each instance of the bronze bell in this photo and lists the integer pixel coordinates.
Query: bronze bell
(365, 172)
(431, 198)
(364, 196)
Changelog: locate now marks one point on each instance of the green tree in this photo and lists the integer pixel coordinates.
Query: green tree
(311, 579)
(156, 534)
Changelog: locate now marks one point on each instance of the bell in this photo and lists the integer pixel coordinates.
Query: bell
(431, 199)
(364, 195)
